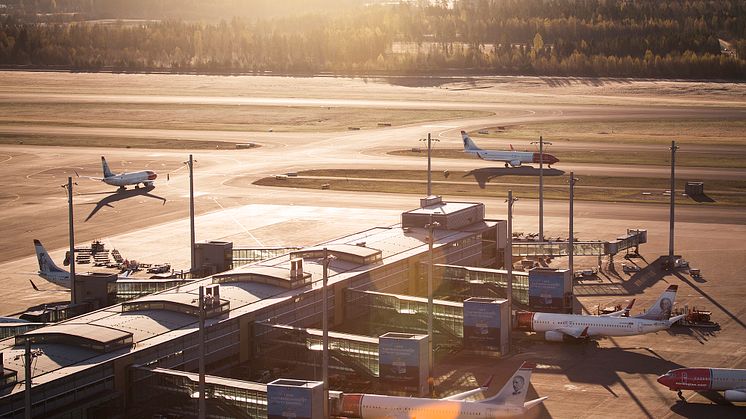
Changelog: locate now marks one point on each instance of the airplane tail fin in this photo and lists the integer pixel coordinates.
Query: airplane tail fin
(661, 310)
(46, 264)
(515, 390)
(468, 142)
(105, 166)
(511, 148)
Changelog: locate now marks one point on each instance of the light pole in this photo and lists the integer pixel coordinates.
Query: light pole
(541, 143)
(674, 147)
(28, 358)
(190, 163)
(71, 234)
(430, 357)
(201, 407)
(509, 256)
(570, 240)
(325, 329)
(429, 162)
(27, 379)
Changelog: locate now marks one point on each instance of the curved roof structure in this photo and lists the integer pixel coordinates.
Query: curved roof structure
(85, 335)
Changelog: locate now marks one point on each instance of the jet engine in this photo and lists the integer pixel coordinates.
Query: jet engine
(553, 336)
(515, 163)
(735, 395)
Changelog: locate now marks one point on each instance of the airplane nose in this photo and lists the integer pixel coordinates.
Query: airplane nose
(552, 159)
(666, 380)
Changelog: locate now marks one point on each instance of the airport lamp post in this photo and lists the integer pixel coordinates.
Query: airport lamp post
(27, 379)
(191, 212)
(325, 329)
(674, 147)
(570, 240)
(541, 143)
(201, 413)
(429, 140)
(509, 256)
(430, 357)
(69, 188)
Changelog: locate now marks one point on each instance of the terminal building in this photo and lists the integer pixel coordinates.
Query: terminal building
(112, 362)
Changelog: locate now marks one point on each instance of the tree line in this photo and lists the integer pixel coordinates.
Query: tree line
(689, 39)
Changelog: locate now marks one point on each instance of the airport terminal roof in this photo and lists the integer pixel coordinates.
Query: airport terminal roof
(151, 323)
(98, 338)
(356, 253)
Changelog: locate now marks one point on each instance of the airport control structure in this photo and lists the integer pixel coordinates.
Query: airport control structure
(140, 357)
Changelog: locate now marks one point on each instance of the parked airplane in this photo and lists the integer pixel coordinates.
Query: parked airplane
(509, 402)
(732, 381)
(512, 157)
(561, 327)
(48, 269)
(146, 177)
(53, 273)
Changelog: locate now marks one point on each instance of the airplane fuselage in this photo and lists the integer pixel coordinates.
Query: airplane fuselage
(597, 325)
(376, 406)
(732, 381)
(146, 177)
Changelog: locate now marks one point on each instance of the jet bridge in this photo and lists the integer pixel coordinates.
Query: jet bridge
(633, 239)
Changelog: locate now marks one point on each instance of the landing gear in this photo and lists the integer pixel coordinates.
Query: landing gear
(506, 165)
(681, 396)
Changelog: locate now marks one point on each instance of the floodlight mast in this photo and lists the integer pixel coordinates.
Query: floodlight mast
(541, 143)
(429, 140)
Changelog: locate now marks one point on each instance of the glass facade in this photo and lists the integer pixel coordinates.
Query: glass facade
(129, 289)
(246, 255)
(401, 313)
(485, 276)
(349, 353)
(177, 391)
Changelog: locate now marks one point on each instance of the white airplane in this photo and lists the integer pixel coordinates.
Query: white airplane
(53, 273)
(511, 158)
(48, 269)
(562, 327)
(146, 177)
(509, 402)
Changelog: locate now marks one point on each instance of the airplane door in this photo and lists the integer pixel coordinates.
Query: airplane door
(639, 327)
(683, 377)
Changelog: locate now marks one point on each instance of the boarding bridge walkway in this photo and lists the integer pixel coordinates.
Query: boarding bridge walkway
(632, 239)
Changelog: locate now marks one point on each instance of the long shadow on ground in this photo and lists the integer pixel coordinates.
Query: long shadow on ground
(120, 195)
(486, 174)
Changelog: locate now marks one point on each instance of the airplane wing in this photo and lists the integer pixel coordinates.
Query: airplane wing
(575, 332)
(674, 319)
(531, 403)
(623, 312)
(467, 394)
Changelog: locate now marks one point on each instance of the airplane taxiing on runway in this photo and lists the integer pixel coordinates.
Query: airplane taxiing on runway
(511, 158)
(146, 177)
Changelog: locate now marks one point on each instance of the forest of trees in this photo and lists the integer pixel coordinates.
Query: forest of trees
(617, 38)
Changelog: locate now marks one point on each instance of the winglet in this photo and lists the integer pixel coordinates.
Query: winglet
(33, 285)
(628, 308)
(489, 381)
(511, 148)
